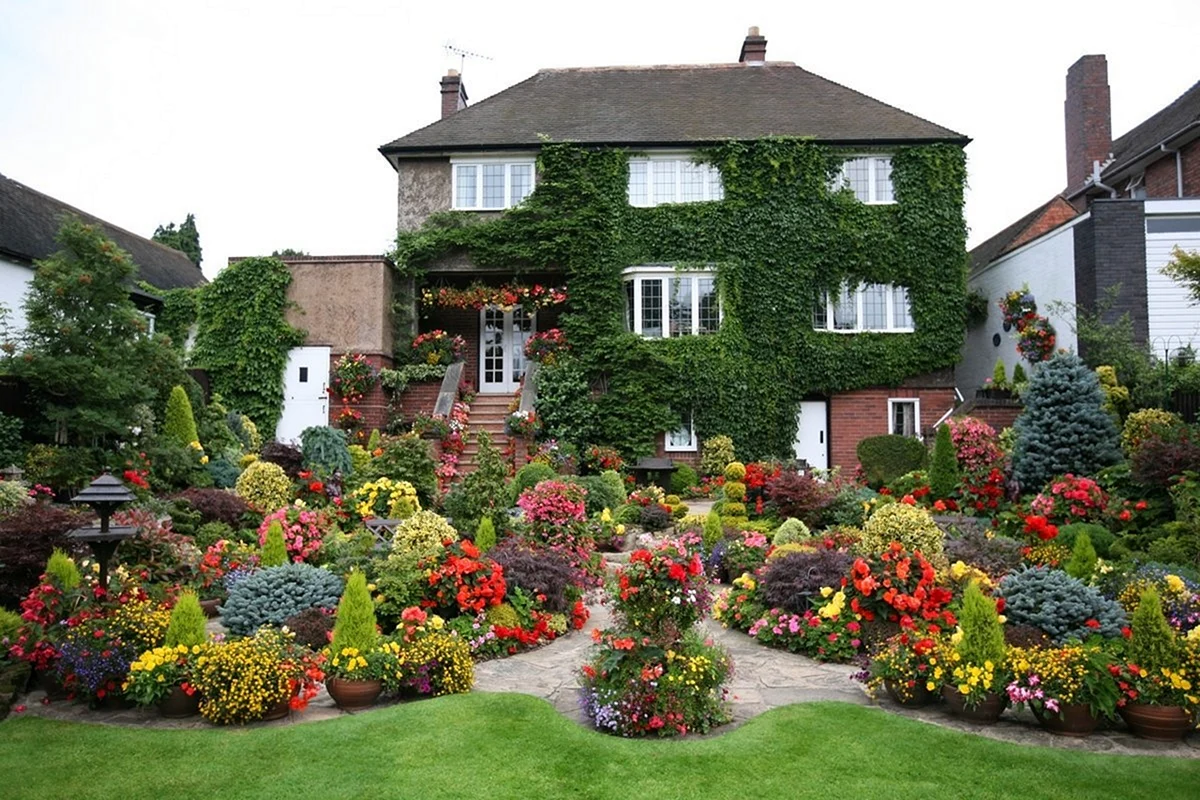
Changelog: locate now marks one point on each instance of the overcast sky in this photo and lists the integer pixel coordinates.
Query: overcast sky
(264, 118)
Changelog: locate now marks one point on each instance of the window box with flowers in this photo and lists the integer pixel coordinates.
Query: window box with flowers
(438, 347)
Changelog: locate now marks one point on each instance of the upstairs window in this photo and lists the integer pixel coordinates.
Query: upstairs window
(674, 179)
(869, 177)
(865, 307)
(660, 302)
(491, 185)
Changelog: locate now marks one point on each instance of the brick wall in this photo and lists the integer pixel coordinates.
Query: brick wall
(692, 459)
(374, 406)
(419, 398)
(1161, 179)
(1000, 414)
(464, 323)
(1111, 250)
(853, 416)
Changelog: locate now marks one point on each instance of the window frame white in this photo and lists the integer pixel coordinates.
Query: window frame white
(842, 180)
(890, 316)
(690, 427)
(636, 275)
(713, 183)
(508, 162)
(915, 402)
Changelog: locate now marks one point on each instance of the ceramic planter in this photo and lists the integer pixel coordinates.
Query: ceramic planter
(1157, 723)
(354, 695)
(179, 704)
(986, 712)
(917, 696)
(1073, 720)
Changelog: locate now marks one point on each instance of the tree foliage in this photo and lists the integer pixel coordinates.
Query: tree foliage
(1184, 267)
(185, 238)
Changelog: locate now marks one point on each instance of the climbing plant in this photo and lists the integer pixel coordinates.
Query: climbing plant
(778, 240)
(243, 337)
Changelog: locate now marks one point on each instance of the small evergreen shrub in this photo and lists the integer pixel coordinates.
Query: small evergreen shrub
(1062, 606)
(616, 485)
(485, 535)
(1152, 644)
(10, 625)
(325, 450)
(1083, 558)
(271, 595)
(355, 625)
(1064, 428)
(715, 453)
(360, 459)
(1101, 537)
(734, 510)
(179, 423)
(1141, 424)
(734, 471)
(422, 535)
(909, 525)
(885, 458)
(599, 494)
(528, 477)
(982, 634)
(794, 581)
(735, 491)
(943, 469)
(62, 571)
(212, 532)
(188, 623)
(1019, 378)
(264, 486)
(274, 551)
(714, 531)
(792, 530)
(683, 478)
(999, 375)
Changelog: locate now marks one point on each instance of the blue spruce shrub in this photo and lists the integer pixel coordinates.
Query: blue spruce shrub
(1064, 427)
(1053, 601)
(269, 596)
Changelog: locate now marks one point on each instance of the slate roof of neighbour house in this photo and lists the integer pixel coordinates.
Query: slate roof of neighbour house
(1041, 220)
(1182, 113)
(29, 222)
(673, 105)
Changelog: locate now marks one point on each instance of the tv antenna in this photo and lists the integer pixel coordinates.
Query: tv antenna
(463, 55)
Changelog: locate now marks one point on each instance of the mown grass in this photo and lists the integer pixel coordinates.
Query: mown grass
(507, 745)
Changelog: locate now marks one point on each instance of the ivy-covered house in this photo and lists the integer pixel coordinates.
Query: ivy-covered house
(747, 249)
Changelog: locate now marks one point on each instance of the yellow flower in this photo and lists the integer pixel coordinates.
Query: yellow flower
(826, 591)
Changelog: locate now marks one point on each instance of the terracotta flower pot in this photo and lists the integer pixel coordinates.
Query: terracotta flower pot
(917, 695)
(278, 711)
(210, 607)
(986, 712)
(1076, 719)
(179, 704)
(1157, 723)
(353, 695)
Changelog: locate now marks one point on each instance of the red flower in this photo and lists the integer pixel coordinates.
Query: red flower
(1140, 505)
(676, 572)
(1094, 624)
(1125, 516)
(939, 505)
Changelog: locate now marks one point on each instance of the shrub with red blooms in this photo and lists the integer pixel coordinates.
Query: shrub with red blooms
(662, 592)
(554, 503)
(27, 536)
(1039, 526)
(461, 581)
(898, 586)
(976, 444)
(983, 493)
(800, 496)
(1070, 499)
(216, 505)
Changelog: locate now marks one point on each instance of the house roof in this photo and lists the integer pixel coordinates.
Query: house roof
(1043, 219)
(1172, 120)
(29, 223)
(672, 105)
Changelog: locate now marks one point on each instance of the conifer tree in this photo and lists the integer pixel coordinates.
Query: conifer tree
(982, 633)
(274, 551)
(355, 626)
(943, 472)
(179, 423)
(1083, 557)
(188, 622)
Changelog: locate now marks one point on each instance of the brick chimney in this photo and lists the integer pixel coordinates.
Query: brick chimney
(1088, 112)
(454, 94)
(754, 49)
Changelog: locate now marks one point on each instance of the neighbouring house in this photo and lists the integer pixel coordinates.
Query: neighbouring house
(1128, 203)
(747, 249)
(29, 223)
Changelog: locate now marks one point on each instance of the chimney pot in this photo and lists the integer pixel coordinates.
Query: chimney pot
(1088, 117)
(754, 48)
(454, 94)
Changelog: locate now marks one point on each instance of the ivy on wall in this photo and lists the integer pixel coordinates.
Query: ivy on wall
(243, 337)
(777, 240)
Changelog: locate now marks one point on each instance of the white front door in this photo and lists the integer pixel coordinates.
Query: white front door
(305, 399)
(812, 435)
(502, 336)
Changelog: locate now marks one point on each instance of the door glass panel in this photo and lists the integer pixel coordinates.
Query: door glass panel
(493, 346)
(522, 326)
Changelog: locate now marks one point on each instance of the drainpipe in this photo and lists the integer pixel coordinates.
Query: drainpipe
(1095, 181)
(1178, 168)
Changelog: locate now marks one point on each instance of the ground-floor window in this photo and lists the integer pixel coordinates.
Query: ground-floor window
(904, 417)
(683, 439)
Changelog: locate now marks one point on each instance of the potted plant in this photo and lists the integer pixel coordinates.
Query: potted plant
(162, 677)
(1160, 677)
(971, 665)
(1069, 688)
(258, 678)
(903, 665)
(356, 665)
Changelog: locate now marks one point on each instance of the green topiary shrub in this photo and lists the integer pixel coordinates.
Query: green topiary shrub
(264, 486)
(909, 525)
(325, 450)
(355, 625)
(528, 477)
(179, 423)
(982, 634)
(616, 486)
(485, 535)
(1152, 645)
(1064, 427)
(733, 510)
(1083, 558)
(1102, 538)
(716, 452)
(422, 535)
(271, 595)
(274, 551)
(628, 514)
(943, 469)
(683, 479)
(188, 623)
(359, 460)
(714, 531)
(1063, 607)
(62, 571)
(999, 375)
(212, 532)
(735, 471)
(735, 491)
(885, 458)
(792, 530)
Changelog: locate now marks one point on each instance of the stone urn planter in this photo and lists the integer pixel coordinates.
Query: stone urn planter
(354, 695)
(1072, 720)
(179, 704)
(1157, 723)
(916, 696)
(986, 712)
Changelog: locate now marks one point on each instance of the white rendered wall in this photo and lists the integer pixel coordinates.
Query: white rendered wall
(14, 284)
(1173, 316)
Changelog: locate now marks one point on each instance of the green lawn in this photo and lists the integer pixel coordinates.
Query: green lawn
(507, 745)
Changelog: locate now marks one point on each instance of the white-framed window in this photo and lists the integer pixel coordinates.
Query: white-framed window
(654, 180)
(149, 317)
(904, 416)
(869, 177)
(876, 307)
(491, 184)
(662, 302)
(683, 439)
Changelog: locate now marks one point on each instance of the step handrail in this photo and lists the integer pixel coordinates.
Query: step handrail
(529, 387)
(448, 392)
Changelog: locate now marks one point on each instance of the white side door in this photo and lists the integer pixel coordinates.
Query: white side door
(502, 336)
(812, 434)
(305, 399)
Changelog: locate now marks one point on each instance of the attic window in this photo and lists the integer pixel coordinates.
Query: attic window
(869, 177)
(655, 180)
(491, 184)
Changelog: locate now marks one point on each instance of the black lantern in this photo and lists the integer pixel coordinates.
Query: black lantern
(104, 495)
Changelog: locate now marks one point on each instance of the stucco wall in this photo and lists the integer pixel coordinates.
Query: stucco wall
(343, 302)
(14, 284)
(424, 187)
